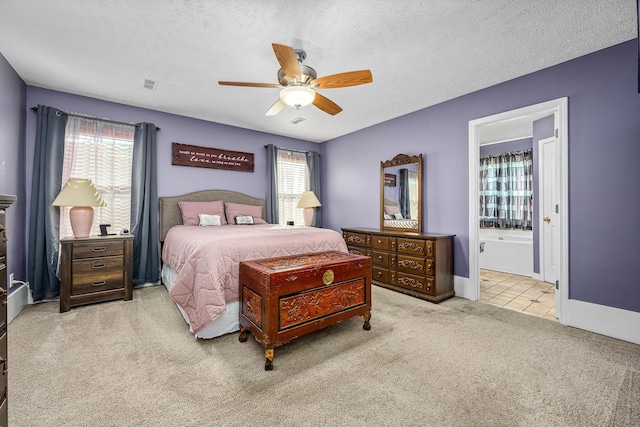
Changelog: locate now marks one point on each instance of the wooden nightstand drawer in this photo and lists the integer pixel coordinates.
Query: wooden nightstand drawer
(97, 249)
(98, 274)
(95, 269)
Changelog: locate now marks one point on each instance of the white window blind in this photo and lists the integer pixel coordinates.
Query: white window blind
(293, 180)
(103, 152)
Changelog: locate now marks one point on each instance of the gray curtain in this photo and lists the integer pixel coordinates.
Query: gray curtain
(144, 206)
(272, 214)
(313, 163)
(506, 190)
(405, 198)
(44, 219)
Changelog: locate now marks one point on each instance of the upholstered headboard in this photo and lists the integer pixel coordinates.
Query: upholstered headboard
(170, 214)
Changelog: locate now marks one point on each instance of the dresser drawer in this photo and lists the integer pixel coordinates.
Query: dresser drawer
(357, 239)
(3, 354)
(416, 283)
(356, 250)
(412, 264)
(380, 258)
(99, 274)
(381, 242)
(412, 246)
(97, 249)
(380, 274)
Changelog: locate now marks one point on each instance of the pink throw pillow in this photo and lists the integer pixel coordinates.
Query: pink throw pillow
(192, 210)
(237, 209)
(391, 210)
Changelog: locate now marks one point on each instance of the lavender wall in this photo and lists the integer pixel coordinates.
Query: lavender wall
(173, 180)
(604, 148)
(12, 119)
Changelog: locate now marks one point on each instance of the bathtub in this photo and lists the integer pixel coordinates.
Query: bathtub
(509, 251)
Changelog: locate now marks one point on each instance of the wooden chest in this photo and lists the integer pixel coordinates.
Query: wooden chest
(284, 298)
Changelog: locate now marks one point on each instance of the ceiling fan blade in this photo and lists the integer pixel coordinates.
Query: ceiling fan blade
(326, 105)
(288, 60)
(248, 84)
(275, 108)
(351, 78)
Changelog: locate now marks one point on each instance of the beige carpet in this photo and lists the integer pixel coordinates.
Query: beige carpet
(459, 363)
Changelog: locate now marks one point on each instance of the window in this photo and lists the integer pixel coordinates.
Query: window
(103, 152)
(293, 180)
(506, 192)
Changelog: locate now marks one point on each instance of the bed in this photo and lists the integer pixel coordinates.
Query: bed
(200, 263)
(391, 209)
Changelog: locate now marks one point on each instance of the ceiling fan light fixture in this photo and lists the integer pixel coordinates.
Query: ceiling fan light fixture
(297, 96)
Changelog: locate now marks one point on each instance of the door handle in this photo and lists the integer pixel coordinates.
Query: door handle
(546, 219)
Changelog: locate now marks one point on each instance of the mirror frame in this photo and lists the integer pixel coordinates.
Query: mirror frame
(399, 160)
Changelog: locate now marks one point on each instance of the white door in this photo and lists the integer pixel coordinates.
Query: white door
(549, 211)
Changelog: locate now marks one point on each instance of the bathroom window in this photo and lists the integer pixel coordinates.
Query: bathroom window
(506, 190)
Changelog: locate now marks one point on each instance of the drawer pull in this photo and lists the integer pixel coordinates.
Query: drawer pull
(98, 284)
(2, 292)
(96, 266)
(4, 233)
(100, 249)
(379, 257)
(379, 274)
(379, 241)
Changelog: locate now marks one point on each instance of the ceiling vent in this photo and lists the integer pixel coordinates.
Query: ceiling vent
(150, 84)
(298, 120)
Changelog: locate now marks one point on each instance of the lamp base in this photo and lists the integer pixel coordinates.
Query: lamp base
(307, 214)
(81, 218)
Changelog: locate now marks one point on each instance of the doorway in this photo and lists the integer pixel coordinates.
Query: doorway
(557, 108)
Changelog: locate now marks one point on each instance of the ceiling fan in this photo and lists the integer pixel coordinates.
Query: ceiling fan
(299, 83)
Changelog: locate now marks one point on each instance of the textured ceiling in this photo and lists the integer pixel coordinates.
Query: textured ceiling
(420, 52)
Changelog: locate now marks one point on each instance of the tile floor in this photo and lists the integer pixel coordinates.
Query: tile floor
(520, 293)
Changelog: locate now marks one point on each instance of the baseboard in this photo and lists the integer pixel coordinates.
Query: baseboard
(16, 302)
(609, 321)
(463, 288)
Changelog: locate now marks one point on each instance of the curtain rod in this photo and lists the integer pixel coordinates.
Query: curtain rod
(292, 149)
(35, 109)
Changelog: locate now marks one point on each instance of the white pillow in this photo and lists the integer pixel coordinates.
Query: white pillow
(244, 220)
(387, 216)
(206, 220)
(398, 216)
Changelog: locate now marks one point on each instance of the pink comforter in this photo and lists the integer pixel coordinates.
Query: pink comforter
(207, 260)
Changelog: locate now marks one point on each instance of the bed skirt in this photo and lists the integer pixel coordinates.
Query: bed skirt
(227, 323)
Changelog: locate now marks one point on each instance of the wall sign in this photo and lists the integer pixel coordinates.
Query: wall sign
(389, 179)
(207, 157)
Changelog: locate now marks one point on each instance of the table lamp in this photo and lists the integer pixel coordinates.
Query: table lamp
(308, 201)
(82, 195)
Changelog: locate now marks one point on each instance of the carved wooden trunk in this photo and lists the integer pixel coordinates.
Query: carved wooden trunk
(284, 298)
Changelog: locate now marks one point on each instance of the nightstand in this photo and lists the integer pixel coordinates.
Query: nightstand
(95, 269)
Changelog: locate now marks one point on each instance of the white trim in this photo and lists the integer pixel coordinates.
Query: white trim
(557, 107)
(484, 144)
(16, 302)
(463, 288)
(609, 321)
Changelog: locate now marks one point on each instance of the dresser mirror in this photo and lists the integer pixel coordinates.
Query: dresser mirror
(401, 194)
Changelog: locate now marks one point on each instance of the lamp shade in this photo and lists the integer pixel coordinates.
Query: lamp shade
(79, 192)
(297, 96)
(308, 200)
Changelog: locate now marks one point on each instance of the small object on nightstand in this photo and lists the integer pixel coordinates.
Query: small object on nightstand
(103, 230)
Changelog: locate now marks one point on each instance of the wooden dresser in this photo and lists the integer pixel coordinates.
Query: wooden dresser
(95, 269)
(5, 202)
(416, 264)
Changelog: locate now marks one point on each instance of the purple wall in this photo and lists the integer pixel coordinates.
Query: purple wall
(12, 158)
(604, 148)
